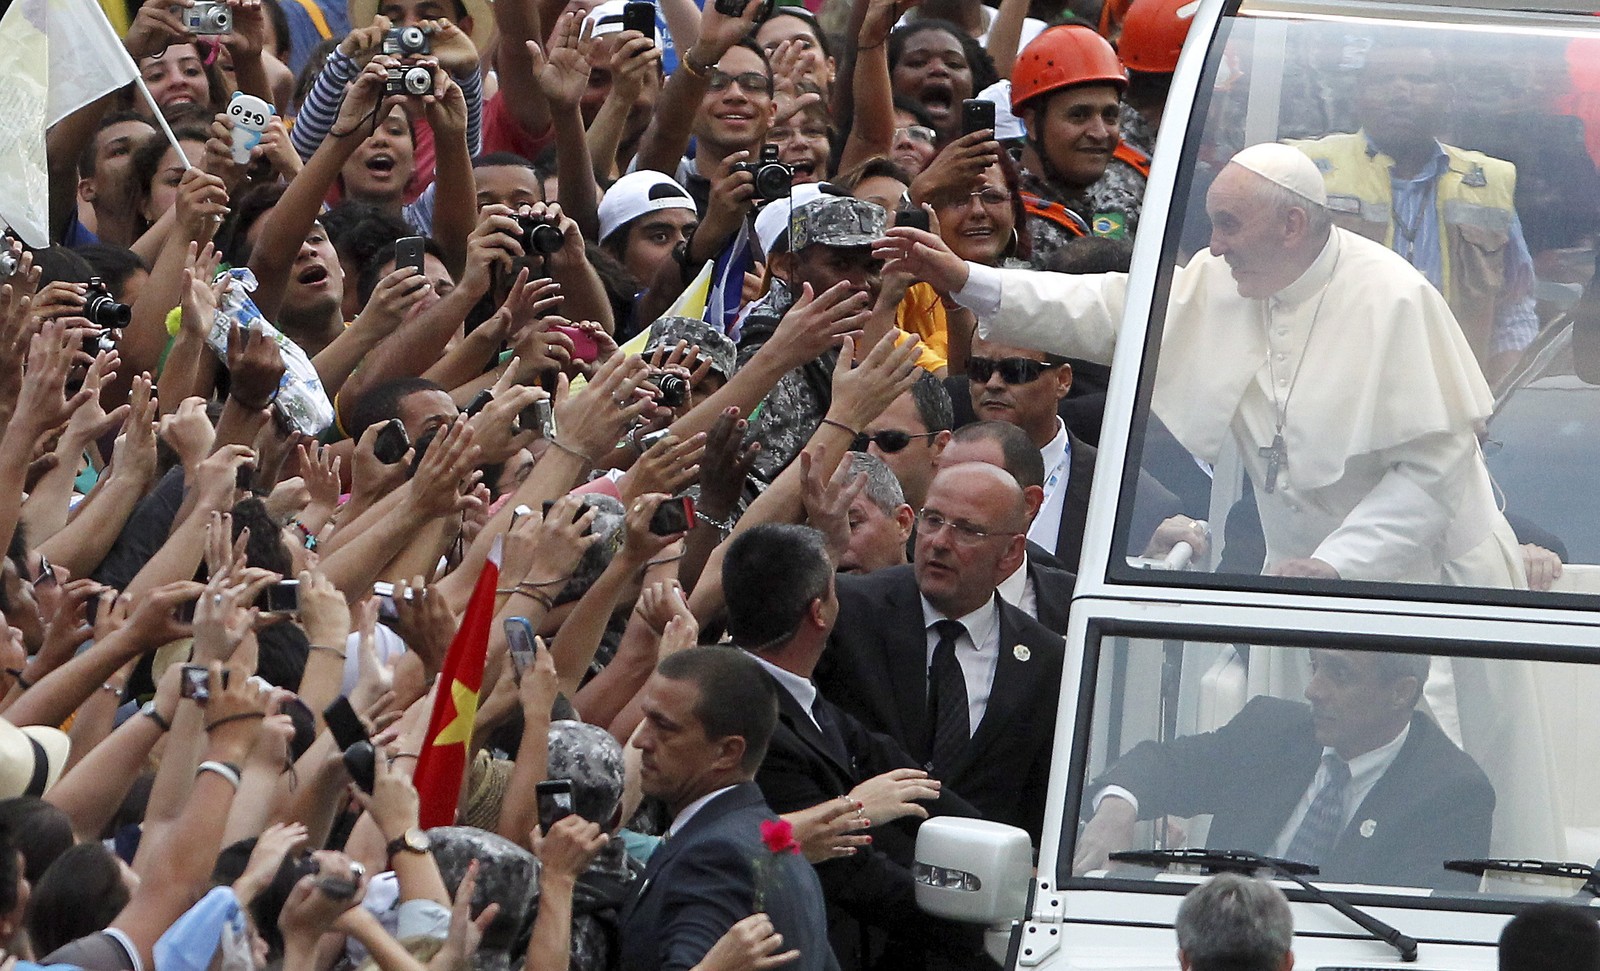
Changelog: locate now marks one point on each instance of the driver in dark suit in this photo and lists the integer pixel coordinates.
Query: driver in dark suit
(1358, 782)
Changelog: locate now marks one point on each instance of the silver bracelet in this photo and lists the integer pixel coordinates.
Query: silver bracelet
(723, 527)
(220, 768)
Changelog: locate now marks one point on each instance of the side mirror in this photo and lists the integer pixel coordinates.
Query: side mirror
(973, 870)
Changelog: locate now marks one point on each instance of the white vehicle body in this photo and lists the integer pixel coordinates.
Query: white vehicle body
(1157, 654)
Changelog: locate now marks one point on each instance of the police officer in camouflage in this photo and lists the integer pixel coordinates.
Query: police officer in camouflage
(1079, 178)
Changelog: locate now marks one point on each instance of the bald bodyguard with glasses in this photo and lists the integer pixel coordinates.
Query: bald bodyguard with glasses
(931, 655)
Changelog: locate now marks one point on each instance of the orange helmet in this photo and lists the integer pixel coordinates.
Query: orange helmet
(1153, 33)
(1062, 57)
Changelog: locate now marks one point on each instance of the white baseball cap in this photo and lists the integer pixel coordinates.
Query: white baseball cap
(772, 223)
(638, 193)
(607, 19)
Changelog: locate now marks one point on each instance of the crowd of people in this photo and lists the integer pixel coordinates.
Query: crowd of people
(717, 362)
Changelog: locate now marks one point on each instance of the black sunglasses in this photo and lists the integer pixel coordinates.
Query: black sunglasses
(889, 441)
(1013, 370)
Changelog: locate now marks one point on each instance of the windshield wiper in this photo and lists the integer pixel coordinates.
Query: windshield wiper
(1243, 861)
(1545, 868)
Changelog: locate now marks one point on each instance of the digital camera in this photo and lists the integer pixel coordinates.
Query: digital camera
(206, 18)
(773, 178)
(407, 42)
(412, 82)
(539, 235)
(672, 390)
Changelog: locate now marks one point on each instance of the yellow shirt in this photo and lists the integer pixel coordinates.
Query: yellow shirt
(921, 312)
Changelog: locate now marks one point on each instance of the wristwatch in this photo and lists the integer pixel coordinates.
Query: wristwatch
(412, 840)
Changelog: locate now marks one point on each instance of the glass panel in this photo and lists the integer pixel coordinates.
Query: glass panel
(1230, 747)
(1327, 408)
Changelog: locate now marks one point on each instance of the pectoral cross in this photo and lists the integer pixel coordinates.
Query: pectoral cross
(1277, 456)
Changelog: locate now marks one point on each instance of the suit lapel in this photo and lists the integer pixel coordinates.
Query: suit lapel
(1075, 504)
(1008, 693)
(798, 721)
(905, 648)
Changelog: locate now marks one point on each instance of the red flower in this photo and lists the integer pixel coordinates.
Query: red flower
(778, 835)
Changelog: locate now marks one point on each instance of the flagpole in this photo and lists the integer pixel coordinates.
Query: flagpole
(161, 119)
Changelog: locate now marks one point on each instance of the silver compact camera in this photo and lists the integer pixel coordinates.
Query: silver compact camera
(206, 18)
(413, 81)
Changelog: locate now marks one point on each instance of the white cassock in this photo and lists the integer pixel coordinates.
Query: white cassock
(1381, 475)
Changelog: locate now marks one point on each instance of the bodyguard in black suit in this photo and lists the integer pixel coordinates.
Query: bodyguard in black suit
(1044, 588)
(930, 655)
(709, 713)
(1357, 782)
(778, 582)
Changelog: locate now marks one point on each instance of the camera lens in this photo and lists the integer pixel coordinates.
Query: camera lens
(216, 20)
(102, 308)
(413, 41)
(673, 388)
(773, 180)
(417, 81)
(544, 238)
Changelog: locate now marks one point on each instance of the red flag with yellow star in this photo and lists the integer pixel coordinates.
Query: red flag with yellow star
(443, 761)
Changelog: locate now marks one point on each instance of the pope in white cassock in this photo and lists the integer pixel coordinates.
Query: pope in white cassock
(1352, 397)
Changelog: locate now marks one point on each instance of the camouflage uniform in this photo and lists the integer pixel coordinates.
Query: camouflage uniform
(507, 875)
(592, 760)
(713, 343)
(1110, 207)
(1136, 131)
(791, 412)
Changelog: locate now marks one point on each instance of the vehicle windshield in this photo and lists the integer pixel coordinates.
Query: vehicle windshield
(1324, 406)
(1375, 766)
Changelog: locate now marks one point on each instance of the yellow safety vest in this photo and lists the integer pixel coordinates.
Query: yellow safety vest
(1474, 202)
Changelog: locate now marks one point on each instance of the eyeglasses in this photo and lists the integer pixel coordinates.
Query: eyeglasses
(932, 522)
(753, 82)
(992, 198)
(917, 133)
(1013, 370)
(889, 441)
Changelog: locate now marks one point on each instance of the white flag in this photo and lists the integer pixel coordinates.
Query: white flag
(55, 57)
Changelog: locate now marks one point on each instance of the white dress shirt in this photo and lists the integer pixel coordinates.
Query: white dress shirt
(1046, 528)
(1365, 771)
(1018, 590)
(800, 689)
(977, 650)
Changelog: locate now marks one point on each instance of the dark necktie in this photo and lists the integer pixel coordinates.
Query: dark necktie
(947, 701)
(831, 735)
(1324, 821)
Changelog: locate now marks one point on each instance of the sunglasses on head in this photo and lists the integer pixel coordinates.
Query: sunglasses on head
(889, 441)
(1013, 370)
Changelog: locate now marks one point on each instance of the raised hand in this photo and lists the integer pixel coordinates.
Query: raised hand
(563, 70)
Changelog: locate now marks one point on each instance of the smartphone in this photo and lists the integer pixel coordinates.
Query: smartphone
(280, 598)
(639, 16)
(976, 115)
(479, 402)
(674, 516)
(243, 478)
(521, 645)
(185, 611)
(408, 251)
(344, 723)
(555, 802)
(519, 512)
(361, 761)
(338, 888)
(914, 217)
(196, 683)
(392, 442)
(584, 348)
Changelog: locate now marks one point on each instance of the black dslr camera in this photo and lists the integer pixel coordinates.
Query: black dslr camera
(539, 235)
(103, 311)
(773, 178)
(407, 42)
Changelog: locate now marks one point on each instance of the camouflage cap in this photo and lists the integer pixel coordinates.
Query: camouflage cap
(607, 525)
(508, 875)
(836, 221)
(713, 343)
(592, 759)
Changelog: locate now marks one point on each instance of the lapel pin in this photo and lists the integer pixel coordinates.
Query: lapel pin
(1368, 827)
(1021, 652)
